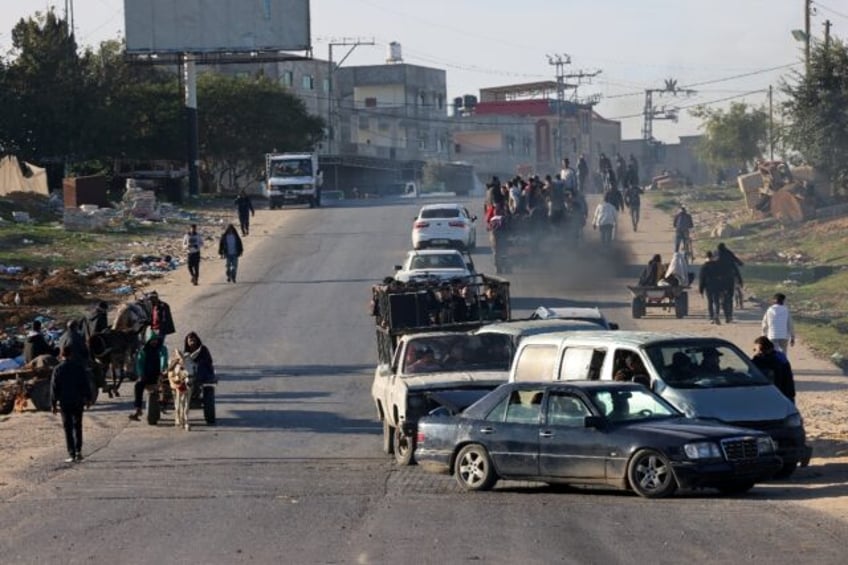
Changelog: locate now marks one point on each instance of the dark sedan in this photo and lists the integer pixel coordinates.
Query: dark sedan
(592, 432)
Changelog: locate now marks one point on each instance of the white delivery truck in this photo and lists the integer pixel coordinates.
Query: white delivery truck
(292, 178)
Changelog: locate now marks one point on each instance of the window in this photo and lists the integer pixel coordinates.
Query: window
(440, 102)
(326, 84)
(581, 363)
(422, 141)
(566, 410)
(519, 407)
(371, 102)
(510, 144)
(308, 82)
(536, 363)
(287, 78)
(422, 99)
(526, 146)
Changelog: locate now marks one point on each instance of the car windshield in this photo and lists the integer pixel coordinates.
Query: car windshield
(291, 168)
(440, 213)
(434, 261)
(458, 352)
(630, 404)
(703, 364)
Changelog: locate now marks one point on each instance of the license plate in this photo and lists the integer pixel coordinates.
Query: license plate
(439, 241)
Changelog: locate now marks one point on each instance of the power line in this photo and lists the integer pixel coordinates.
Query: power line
(743, 75)
(831, 10)
(707, 103)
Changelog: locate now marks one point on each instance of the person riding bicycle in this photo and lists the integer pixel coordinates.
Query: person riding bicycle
(682, 224)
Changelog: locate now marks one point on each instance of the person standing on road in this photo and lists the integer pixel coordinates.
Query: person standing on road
(605, 219)
(777, 324)
(775, 366)
(710, 281)
(682, 224)
(582, 174)
(152, 361)
(633, 200)
(192, 242)
(70, 394)
(161, 321)
(245, 211)
(230, 247)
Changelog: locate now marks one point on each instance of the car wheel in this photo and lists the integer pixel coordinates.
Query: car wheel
(474, 469)
(649, 474)
(403, 447)
(786, 471)
(387, 437)
(738, 487)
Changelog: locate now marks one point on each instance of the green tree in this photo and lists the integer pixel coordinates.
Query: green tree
(242, 118)
(733, 136)
(817, 113)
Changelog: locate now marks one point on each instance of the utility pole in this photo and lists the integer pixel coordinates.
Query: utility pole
(808, 8)
(827, 24)
(650, 113)
(771, 125)
(559, 61)
(353, 43)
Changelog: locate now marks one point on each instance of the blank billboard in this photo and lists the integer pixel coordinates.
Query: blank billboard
(216, 26)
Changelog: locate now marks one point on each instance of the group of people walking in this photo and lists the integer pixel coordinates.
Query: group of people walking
(615, 199)
(230, 246)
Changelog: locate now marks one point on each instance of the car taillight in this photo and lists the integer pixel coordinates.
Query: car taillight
(421, 225)
(419, 438)
(456, 224)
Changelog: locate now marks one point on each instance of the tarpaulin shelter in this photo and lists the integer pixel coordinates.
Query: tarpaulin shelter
(13, 179)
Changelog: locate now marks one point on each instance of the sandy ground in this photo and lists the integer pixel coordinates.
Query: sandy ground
(32, 443)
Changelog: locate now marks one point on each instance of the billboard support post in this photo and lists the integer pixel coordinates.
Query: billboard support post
(190, 76)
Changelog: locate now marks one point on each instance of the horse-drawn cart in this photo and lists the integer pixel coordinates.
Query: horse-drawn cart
(671, 298)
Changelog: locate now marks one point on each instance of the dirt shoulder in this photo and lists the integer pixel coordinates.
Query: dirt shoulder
(822, 389)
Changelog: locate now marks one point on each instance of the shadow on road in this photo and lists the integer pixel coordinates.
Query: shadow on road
(231, 373)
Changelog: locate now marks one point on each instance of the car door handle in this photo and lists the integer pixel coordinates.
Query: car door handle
(487, 430)
(546, 434)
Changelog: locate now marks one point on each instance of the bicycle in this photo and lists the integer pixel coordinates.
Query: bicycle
(686, 240)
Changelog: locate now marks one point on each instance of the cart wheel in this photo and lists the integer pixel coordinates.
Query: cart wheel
(680, 306)
(638, 307)
(153, 407)
(209, 404)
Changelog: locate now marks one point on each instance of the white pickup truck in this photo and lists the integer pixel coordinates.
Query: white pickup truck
(435, 371)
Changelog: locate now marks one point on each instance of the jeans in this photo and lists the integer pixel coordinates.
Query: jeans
(232, 267)
(679, 237)
(606, 233)
(72, 422)
(634, 216)
(244, 220)
(714, 304)
(783, 345)
(194, 266)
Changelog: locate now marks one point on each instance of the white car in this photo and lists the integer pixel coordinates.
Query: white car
(443, 264)
(577, 313)
(444, 225)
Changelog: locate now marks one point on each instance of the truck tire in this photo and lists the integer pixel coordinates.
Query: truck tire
(403, 447)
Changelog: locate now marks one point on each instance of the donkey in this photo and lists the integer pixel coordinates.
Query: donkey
(180, 378)
(116, 348)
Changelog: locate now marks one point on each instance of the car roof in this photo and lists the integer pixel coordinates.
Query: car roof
(530, 327)
(445, 205)
(433, 252)
(544, 312)
(618, 337)
(579, 384)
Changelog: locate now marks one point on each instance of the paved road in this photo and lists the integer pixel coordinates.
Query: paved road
(293, 472)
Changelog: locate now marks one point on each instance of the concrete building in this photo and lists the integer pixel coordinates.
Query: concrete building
(523, 128)
(680, 158)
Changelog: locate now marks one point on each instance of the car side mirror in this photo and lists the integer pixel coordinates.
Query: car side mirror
(384, 370)
(613, 326)
(593, 422)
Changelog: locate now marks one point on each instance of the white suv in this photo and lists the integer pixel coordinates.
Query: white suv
(444, 225)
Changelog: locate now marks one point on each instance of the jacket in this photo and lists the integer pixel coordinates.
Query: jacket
(683, 221)
(222, 244)
(777, 323)
(144, 365)
(605, 215)
(244, 205)
(712, 278)
(166, 321)
(776, 367)
(70, 387)
(34, 346)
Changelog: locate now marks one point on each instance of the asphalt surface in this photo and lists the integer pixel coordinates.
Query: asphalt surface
(293, 471)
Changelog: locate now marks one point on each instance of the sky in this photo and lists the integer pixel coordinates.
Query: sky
(726, 50)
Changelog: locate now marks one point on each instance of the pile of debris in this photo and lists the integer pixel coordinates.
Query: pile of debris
(775, 190)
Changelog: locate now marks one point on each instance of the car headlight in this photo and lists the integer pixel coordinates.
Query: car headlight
(794, 420)
(766, 445)
(702, 450)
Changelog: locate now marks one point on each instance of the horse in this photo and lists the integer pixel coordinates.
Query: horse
(116, 348)
(180, 371)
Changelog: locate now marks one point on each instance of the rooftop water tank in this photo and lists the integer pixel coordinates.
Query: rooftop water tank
(395, 55)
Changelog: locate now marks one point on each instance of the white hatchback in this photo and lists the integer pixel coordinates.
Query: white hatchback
(444, 225)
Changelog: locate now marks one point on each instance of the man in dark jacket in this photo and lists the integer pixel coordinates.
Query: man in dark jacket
(712, 280)
(152, 361)
(70, 393)
(35, 343)
(775, 366)
(245, 211)
(231, 248)
(682, 224)
(73, 338)
(161, 321)
(96, 323)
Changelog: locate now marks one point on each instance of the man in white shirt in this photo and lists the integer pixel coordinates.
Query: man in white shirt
(777, 324)
(568, 176)
(192, 242)
(604, 219)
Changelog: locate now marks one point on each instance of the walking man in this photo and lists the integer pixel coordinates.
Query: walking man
(682, 224)
(777, 324)
(70, 394)
(605, 219)
(245, 211)
(711, 281)
(192, 242)
(231, 248)
(582, 173)
(633, 200)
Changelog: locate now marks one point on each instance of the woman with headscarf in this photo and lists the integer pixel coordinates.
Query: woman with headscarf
(677, 273)
(194, 350)
(231, 248)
